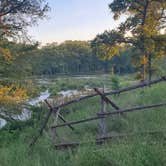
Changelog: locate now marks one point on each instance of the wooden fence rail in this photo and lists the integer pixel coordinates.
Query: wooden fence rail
(104, 115)
(55, 110)
(114, 92)
(101, 140)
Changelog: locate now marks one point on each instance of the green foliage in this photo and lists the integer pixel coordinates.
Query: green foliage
(64, 84)
(139, 150)
(142, 30)
(92, 156)
(70, 57)
(138, 75)
(16, 16)
(115, 82)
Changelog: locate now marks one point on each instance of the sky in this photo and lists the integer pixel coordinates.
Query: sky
(74, 20)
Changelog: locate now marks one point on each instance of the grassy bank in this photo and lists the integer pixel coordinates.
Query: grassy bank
(138, 150)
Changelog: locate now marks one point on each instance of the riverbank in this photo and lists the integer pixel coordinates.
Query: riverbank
(139, 150)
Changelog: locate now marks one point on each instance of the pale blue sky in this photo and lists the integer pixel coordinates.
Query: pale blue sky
(74, 20)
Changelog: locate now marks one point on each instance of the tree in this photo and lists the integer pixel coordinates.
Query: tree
(144, 29)
(15, 17)
(70, 57)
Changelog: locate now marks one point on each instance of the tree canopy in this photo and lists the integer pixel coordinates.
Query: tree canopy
(70, 57)
(144, 29)
(15, 17)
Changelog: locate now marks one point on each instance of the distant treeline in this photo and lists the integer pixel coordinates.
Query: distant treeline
(70, 57)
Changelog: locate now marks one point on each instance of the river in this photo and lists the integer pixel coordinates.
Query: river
(26, 114)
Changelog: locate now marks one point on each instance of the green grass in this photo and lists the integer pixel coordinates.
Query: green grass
(123, 153)
(138, 150)
(56, 85)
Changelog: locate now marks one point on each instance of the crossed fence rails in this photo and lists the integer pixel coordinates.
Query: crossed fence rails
(55, 111)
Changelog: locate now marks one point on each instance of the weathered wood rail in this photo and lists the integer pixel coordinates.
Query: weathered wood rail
(104, 115)
(108, 138)
(114, 92)
(55, 110)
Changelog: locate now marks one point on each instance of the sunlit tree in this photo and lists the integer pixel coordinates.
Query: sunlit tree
(15, 17)
(144, 29)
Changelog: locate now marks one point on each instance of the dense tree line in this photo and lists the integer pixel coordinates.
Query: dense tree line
(70, 57)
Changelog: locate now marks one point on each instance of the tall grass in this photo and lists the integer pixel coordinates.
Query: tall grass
(138, 150)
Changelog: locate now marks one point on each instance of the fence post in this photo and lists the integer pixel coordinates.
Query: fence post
(54, 131)
(102, 123)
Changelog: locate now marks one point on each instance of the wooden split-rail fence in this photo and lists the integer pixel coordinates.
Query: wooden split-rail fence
(104, 136)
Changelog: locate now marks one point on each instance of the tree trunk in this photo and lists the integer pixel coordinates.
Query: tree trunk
(149, 68)
(144, 74)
